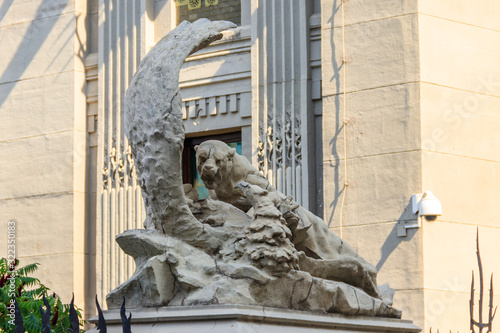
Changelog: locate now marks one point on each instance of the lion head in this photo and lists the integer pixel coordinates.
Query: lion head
(214, 162)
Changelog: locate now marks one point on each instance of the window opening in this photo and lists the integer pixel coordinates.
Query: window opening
(191, 10)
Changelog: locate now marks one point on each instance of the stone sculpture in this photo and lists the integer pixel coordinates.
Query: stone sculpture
(250, 245)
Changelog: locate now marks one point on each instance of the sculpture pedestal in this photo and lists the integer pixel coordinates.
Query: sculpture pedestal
(244, 318)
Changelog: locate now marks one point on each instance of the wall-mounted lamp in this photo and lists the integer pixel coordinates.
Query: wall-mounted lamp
(425, 205)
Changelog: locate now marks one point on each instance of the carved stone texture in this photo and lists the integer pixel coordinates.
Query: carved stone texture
(267, 238)
(253, 245)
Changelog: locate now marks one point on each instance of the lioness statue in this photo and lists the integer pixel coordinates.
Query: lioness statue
(221, 169)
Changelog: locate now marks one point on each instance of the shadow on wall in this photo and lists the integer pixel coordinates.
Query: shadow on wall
(335, 79)
(36, 34)
(4, 8)
(340, 189)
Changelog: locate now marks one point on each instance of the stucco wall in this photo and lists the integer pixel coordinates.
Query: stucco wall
(43, 138)
(460, 121)
(421, 83)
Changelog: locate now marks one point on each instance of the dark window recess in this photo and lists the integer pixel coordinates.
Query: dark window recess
(189, 173)
(227, 10)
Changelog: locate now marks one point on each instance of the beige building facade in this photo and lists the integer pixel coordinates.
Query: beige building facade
(349, 106)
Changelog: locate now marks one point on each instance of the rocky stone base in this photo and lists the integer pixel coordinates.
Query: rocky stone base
(243, 318)
(174, 273)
